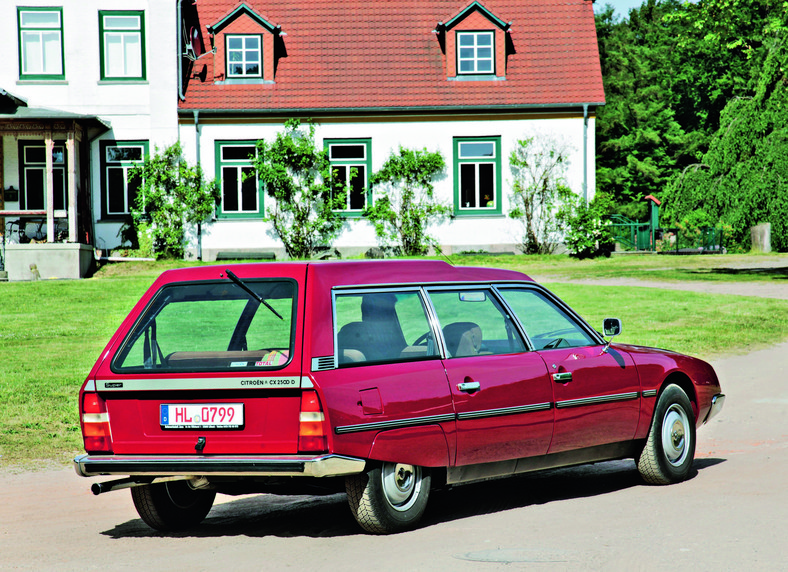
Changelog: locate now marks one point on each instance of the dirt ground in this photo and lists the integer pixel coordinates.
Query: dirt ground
(731, 515)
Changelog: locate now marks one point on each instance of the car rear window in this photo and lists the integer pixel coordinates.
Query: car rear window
(213, 326)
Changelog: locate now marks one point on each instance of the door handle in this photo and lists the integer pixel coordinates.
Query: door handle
(562, 377)
(469, 386)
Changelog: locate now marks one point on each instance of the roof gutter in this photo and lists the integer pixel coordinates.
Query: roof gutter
(585, 153)
(368, 110)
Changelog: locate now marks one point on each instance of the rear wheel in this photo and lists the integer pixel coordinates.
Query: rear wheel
(173, 505)
(670, 448)
(390, 497)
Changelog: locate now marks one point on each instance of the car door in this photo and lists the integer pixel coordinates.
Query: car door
(595, 389)
(502, 393)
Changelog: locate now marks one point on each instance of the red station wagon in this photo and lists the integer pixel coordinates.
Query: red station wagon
(382, 378)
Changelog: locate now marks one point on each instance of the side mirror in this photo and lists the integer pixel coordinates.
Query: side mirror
(611, 327)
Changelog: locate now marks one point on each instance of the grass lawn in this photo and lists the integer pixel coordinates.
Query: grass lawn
(51, 332)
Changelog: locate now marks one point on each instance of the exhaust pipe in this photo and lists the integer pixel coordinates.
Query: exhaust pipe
(127, 483)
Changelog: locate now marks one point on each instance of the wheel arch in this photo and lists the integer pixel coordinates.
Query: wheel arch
(682, 380)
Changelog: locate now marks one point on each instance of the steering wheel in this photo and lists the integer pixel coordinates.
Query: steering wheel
(423, 339)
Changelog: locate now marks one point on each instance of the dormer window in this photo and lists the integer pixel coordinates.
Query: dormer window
(475, 53)
(244, 56)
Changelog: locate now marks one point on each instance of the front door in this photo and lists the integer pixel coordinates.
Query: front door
(595, 390)
(502, 393)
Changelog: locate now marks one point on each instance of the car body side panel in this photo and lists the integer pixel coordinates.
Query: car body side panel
(600, 403)
(425, 446)
(410, 394)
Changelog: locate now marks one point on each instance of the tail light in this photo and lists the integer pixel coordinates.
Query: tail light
(95, 424)
(311, 428)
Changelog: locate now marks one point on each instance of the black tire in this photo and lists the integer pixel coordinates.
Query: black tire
(670, 449)
(391, 497)
(173, 505)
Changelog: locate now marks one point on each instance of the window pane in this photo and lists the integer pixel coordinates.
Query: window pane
(31, 53)
(116, 190)
(118, 154)
(486, 184)
(122, 22)
(466, 53)
(481, 149)
(382, 327)
(544, 322)
(34, 189)
(474, 323)
(484, 40)
(248, 190)
(35, 155)
(252, 43)
(230, 189)
(53, 63)
(237, 152)
(133, 185)
(235, 42)
(252, 69)
(466, 39)
(59, 184)
(113, 53)
(133, 55)
(468, 185)
(339, 152)
(484, 66)
(357, 195)
(40, 19)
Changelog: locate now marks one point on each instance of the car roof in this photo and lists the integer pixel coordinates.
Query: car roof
(352, 272)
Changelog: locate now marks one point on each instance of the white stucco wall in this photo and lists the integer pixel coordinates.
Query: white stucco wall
(144, 110)
(493, 233)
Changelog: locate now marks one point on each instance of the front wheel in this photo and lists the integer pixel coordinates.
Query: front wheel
(670, 448)
(172, 505)
(390, 497)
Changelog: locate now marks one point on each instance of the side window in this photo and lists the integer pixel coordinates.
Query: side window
(477, 175)
(382, 327)
(351, 164)
(122, 49)
(41, 43)
(546, 324)
(474, 323)
(119, 188)
(241, 192)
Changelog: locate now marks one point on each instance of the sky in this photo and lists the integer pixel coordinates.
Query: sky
(622, 7)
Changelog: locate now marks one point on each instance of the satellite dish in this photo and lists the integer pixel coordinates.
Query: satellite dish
(196, 42)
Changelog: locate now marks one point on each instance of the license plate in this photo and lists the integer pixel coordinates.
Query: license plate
(202, 416)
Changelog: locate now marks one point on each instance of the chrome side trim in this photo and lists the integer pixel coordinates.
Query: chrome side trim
(650, 393)
(395, 423)
(596, 400)
(505, 411)
(218, 465)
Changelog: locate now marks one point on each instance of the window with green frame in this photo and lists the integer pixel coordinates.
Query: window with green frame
(242, 195)
(122, 49)
(40, 43)
(33, 175)
(477, 175)
(351, 162)
(118, 188)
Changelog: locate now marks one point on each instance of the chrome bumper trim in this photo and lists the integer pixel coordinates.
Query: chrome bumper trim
(716, 406)
(215, 465)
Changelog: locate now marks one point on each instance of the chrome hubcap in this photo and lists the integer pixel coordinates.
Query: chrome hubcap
(675, 437)
(401, 484)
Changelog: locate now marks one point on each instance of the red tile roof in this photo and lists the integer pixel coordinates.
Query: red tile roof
(370, 54)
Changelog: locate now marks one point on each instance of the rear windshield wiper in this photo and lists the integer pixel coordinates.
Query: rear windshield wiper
(251, 292)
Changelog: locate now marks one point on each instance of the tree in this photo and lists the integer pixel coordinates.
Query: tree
(307, 197)
(743, 179)
(404, 203)
(539, 192)
(171, 195)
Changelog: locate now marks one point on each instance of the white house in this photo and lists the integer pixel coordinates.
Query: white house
(102, 84)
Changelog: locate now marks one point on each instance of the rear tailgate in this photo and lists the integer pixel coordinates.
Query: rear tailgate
(209, 366)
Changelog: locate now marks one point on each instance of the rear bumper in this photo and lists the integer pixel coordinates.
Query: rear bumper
(214, 465)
